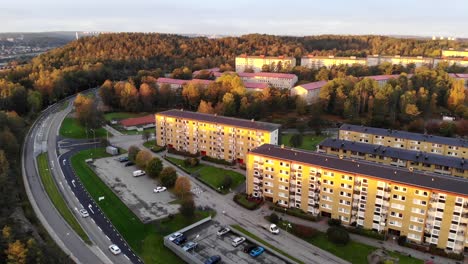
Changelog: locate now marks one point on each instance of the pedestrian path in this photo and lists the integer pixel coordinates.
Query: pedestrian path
(113, 131)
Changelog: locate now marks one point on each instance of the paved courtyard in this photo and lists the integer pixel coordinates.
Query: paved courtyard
(136, 192)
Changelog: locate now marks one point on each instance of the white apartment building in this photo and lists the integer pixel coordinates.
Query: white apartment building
(309, 91)
(397, 59)
(316, 62)
(278, 80)
(256, 63)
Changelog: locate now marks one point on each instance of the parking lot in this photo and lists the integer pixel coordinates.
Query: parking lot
(210, 244)
(136, 192)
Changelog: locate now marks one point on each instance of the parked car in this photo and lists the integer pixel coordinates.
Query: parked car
(249, 248)
(190, 246)
(123, 159)
(237, 241)
(114, 249)
(138, 173)
(272, 228)
(175, 236)
(180, 240)
(213, 259)
(222, 231)
(159, 189)
(257, 251)
(130, 163)
(84, 213)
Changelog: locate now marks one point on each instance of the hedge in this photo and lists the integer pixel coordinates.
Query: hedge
(366, 233)
(218, 161)
(247, 202)
(182, 153)
(295, 212)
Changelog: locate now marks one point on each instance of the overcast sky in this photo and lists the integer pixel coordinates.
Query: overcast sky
(281, 17)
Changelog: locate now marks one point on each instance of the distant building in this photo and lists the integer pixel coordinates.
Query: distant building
(383, 79)
(460, 76)
(397, 59)
(463, 62)
(455, 53)
(256, 63)
(278, 80)
(138, 123)
(251, 86)
(309, 91)
(178, 83)
(316, 62)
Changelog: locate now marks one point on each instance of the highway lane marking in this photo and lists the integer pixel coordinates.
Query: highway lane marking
(98, 227)
(127, 257)
(108, 238)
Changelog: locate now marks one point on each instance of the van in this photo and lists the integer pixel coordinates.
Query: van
(138, 173)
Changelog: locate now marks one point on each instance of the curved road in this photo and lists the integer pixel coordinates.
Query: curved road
(42, 137)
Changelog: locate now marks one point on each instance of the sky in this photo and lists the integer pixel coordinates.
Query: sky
(447, 18)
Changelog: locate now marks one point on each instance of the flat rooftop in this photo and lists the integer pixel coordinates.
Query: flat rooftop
(459, 142)
(403, 154)
(403, 176)
(224, 120)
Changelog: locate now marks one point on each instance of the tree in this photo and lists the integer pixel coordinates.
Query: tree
(34, 101)
(192, 95)
(4, 164)
(168, 177)
(133, 152)
(456, 94)
(447, 129)
(205, 107)
(182, 187)
(142, 159)
(191, 162)
(145, 136)
(301, 106)
(338, 235)
(187, 207)
(87, 111)
(129, 97)
(16, 253)
(295, 140)
(229, 104)
(227, 182)
(274, 218)
(154, 167)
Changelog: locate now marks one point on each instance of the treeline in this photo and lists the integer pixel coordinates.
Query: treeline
(428, 93)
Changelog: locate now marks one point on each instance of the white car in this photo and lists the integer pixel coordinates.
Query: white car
(114, 249)
(159, 189)
(84, 213)
(222, 231)
(175, 236)
(237, 241)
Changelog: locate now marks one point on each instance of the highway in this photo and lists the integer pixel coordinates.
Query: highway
(43, 136)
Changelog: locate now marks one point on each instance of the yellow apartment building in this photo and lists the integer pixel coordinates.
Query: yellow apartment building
(427, 208)
(412, 160)
(316, 62)
(210, 135)
(418, 61)
(455, 53)
(256, 63)
(405, 140)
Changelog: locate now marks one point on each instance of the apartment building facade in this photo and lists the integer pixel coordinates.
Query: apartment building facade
(316, 62)
(310, 92)
(412, 160)
(418, 61)
(256, 63)
(176, 84)
(456, 147)
(211, 135)
(455, 53)
(428, 209)
(278, 80)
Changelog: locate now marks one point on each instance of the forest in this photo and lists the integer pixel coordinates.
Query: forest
(127, 65)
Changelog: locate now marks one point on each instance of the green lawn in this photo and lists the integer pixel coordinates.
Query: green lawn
(151, 144)
(145, 239)
(308, 142)
(70, 128)
(122, 115)
(212, 176)
(56, 198)
(248, 234)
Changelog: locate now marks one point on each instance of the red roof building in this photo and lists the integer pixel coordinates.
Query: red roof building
(143, 121)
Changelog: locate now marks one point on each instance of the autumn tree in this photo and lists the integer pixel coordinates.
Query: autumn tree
(87, 112)
(133, 152)
(205, 107)
(182, 187)
(457, 94)
(16, 253)
(154, 167)
(168, 177)
(142, 159)
(192, 94)
(148, 95)
(129, 97)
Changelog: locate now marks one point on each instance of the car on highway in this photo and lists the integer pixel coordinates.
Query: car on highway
(257, 251)
(190, 246)
(249, 248)
(114, 249)
(222, 231)
(84, 213)
(122, 159)
(237, 241)
(159, 189)
(213, 259)
(180, 240)
(175, 236)
(130, 163)
(272, 228)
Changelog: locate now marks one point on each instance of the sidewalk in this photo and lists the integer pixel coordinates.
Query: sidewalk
(112, 130)
(390, 245)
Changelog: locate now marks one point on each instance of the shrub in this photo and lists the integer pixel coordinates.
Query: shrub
(191, 162)
(334, 222)
(218, 161)
(168, 177)
(338, 235)
(366, 232)
(295, 212)
(227, 182)
(402, 240)
(303, 231)
(247, 202)
(274, 218)
(132, 153)
(182, 153)
(154, 167)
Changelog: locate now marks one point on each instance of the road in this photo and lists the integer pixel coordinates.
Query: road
(43, 136)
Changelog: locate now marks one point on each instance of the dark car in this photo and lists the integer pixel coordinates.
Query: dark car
(123, 159)
(248, 248)
(130, 163)
(179, 241)
(213, 259)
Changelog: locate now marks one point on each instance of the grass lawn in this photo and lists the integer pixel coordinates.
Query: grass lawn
(145, 239)
(56, 198)
(122, 115)
(151, 144)
(212, 176)
(308, 141)
(70, 128)
(247, 233)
